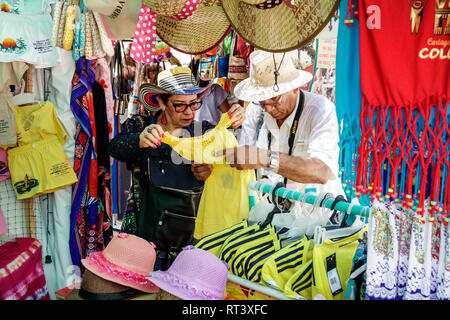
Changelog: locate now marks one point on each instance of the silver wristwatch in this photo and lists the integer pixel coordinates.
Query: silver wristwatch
(274, 161)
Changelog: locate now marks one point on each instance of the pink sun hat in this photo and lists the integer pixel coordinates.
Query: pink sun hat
(195, 274)
(127, 260)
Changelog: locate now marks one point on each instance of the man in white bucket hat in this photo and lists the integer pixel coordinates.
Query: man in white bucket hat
(298, 141)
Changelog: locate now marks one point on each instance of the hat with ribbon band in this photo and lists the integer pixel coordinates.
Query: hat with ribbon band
(126, 260)
(178, 80)
(271, 74)
(279, 25)
(195, 274)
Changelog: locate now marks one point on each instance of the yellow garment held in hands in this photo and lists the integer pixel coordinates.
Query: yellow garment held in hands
(224, 201)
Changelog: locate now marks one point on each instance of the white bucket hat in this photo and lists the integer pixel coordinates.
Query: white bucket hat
(119, 16)
(263, 83)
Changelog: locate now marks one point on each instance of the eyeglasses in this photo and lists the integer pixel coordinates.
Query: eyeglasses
(272, 104)
(181, 107)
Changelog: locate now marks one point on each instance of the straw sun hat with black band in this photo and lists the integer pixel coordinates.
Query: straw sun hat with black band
(279, 25)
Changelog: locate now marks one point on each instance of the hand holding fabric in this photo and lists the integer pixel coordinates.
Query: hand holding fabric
(151, 136)
(245, 157)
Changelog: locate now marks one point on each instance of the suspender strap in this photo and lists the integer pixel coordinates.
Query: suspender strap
(298, 113)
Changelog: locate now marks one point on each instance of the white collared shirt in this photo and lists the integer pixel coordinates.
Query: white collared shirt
(317, 137)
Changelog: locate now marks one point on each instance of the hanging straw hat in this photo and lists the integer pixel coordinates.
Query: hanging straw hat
(200, 32)
(119, 17)
(279, 25)
(178, 80)
(166, 8)
(126, 260)
(262, 85)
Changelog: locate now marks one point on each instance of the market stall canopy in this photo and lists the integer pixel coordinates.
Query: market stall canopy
(279, 25)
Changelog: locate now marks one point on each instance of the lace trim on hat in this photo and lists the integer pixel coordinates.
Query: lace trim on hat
(186, 287)
(105, 266)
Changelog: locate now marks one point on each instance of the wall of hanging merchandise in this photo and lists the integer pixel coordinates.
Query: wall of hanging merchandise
(273, 254)
(40, 60)
(403, 154)
(399, 257)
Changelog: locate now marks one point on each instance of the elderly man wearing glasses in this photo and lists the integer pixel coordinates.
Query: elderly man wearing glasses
(297, 142)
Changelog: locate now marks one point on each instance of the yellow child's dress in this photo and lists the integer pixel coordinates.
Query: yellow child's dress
(224, 201)
(39, 165)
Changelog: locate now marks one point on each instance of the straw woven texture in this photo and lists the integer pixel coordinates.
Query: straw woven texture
(279, 28)
(198, 33)
(164, 7)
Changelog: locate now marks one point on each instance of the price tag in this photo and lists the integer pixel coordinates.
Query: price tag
(333, 276)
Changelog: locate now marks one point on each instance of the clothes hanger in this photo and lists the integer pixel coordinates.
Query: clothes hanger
(283, 221)
(321, 233)
(276, 209)
(308, 219)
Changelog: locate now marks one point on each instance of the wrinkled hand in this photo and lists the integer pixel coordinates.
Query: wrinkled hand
(245, 157)
(201, 171)
(151, 136)
(237, 113)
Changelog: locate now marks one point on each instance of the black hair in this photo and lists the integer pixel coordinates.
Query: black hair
(165, 97)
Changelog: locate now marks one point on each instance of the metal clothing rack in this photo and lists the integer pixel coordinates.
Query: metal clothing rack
(257, 186)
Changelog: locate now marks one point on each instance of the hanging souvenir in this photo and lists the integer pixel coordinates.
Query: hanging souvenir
(403, 154)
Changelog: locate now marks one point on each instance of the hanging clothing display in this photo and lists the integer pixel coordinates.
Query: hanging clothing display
(348, 95)
(83, 218)
(332, 263)
(27, 38)
(404, 103)
(60, 87)
(79, 30)
(22, 259)
(39, 165)
(299, 266)
(226, 186)
(10, 75)
(407, 257)
(25, 6)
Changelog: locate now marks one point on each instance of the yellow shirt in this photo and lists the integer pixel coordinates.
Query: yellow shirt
(37, 122)
(224, 201)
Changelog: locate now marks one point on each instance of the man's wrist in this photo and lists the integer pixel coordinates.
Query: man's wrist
(263, 158)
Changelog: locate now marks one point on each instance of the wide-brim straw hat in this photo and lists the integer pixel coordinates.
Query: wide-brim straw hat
(166, 8)
(177, 80)
(279, 25)
(261, 84)
(127, 260)
(200, 32)
(119, 17)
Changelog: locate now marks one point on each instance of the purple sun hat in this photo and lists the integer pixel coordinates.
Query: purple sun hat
(195, 274)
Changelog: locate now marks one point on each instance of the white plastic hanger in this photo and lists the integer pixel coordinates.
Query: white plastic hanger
(321, 234)
(306, 219)
(23, 98)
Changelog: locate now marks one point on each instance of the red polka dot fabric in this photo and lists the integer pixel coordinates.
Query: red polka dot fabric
(144, 40)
